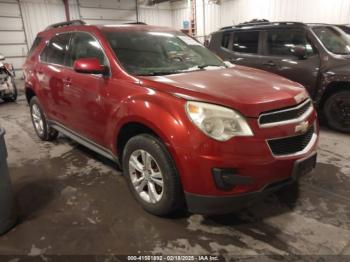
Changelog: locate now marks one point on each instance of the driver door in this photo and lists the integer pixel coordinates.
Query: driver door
(88, 90)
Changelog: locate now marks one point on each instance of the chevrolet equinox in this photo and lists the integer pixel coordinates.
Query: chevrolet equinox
(186, 128)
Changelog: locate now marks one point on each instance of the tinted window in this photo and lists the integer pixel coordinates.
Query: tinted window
(56, 50)
(225, 40)
(335, 41)
(345, 28)
(246, 42)
(34, 45)
(84, 45)
(282, 42)
(160, 52)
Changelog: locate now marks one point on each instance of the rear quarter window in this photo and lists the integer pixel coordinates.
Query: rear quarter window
(225, 40)
(35, 44)
(56, 50)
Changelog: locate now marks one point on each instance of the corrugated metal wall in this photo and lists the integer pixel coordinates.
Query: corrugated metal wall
(310, 11)
(180, 13)
(13, 42)
(160, 14)
(38, 14)
(229, 12)
(107, 11)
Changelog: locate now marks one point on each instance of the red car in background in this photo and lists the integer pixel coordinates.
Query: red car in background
(185, 127)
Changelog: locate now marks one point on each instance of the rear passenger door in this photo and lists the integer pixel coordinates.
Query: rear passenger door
(50, 74)
(244, 47)
(279, 57)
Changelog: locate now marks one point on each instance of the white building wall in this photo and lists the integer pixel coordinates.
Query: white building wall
(310, 11)
(230, 12)
(180, 13)
(160, 14)
(107, 11)
(13, 44)
(38, 14)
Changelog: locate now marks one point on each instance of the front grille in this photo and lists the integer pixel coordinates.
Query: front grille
(285, 114)
(290, 145)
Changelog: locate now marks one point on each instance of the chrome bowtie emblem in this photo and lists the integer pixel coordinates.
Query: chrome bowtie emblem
(302, 127)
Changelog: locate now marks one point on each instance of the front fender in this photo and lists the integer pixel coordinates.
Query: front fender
(163, 113)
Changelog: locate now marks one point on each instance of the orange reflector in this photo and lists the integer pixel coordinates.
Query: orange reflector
(193, 109)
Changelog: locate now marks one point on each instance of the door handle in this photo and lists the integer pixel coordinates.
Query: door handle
(234, 60)
(270, 64)
(67, 82)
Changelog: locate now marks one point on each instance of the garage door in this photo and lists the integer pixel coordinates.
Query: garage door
(13, 42)
(107, 11)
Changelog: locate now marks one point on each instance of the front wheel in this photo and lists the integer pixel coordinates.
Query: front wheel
(152, 175)
(337, 111)
(42, 129)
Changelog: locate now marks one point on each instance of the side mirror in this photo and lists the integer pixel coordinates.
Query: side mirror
(2, 57)
(89, 66)
(299, 51)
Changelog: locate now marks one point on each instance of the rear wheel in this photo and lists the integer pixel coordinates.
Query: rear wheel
(337, 111)
(42, 129)
(152, 175)
(12, 97)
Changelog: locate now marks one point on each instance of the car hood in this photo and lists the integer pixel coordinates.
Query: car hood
(250, 91)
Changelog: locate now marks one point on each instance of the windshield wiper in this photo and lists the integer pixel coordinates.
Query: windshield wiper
(160, 73)
(208, 65)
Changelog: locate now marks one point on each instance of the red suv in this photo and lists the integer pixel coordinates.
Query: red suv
(185, 127)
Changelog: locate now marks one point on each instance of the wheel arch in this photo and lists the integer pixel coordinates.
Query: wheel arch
(129, 130)
(332, 88)
(29, 93)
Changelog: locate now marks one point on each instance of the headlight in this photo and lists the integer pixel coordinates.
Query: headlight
(218, 122)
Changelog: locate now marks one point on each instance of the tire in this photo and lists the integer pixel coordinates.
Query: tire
(289, 194)
(337, 111)
(167, 199)
(41, 127)
(12, 97)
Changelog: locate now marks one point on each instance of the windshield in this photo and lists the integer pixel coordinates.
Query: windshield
(160, 53)
(335, 41)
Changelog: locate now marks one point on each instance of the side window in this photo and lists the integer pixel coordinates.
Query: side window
(34, 45)
(56, 50)
(246, 42)
(225, 40)
(280, 43)
(84, 45)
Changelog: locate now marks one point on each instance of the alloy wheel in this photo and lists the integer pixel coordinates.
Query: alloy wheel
(37, 119)
(146, 176)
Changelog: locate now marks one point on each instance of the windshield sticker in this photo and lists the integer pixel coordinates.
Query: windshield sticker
(188, 40)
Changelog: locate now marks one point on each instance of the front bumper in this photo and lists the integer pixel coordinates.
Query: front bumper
(215, 205)
(209, 205)
(249, 158)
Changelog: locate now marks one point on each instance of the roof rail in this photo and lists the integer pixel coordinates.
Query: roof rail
(135, 23)
(69, 23)
(247, 24)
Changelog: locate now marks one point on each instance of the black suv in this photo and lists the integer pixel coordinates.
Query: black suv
(315, 55)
